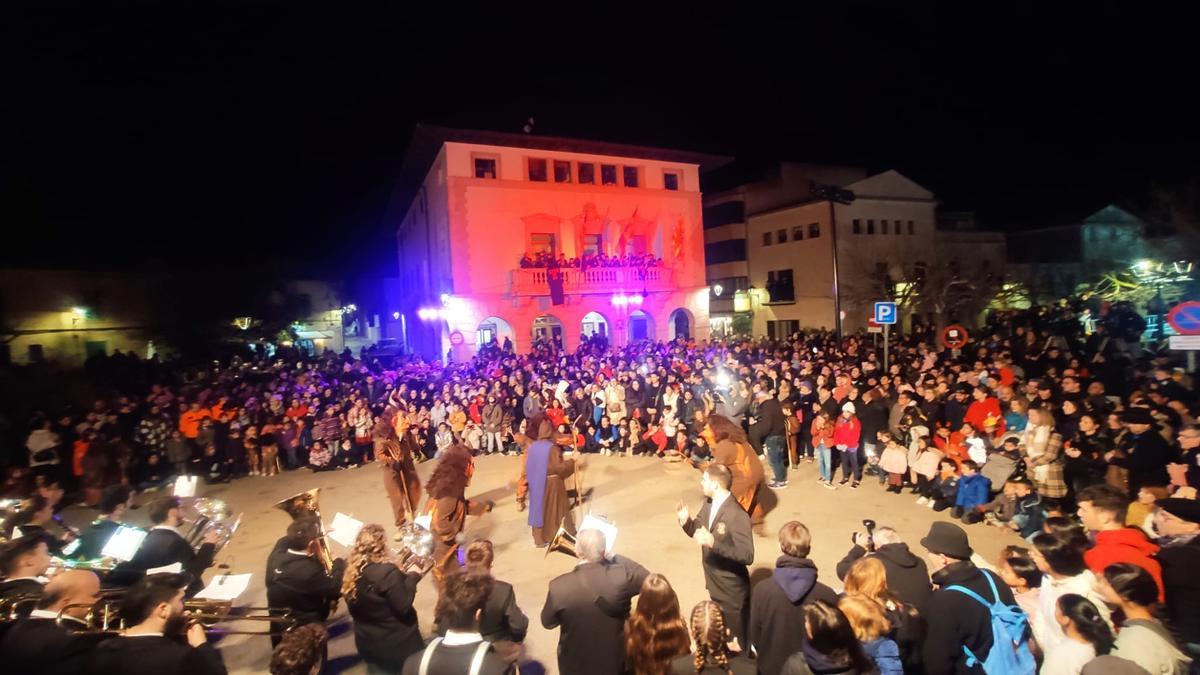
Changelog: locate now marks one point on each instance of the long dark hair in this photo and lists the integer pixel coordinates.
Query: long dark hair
(724, 429)
(655, 633)
(1088, 621)
(830, 633)
(1133, 584)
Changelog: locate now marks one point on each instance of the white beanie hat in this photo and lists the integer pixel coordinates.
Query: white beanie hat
(848, 406)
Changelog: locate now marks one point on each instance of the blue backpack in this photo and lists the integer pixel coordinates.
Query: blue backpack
(1008, 629)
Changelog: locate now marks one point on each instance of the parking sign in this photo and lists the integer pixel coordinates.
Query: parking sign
(885, 313)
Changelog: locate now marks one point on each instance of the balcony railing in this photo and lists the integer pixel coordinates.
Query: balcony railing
(594, 280)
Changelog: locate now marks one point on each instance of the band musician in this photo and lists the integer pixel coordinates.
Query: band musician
(296, 579)
(164, 545)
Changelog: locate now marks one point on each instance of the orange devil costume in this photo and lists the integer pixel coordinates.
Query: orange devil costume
(394, 451)
(448, 506)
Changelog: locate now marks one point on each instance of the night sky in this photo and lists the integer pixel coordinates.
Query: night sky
(237, 133)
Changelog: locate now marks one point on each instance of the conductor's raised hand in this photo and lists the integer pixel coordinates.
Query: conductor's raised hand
(703, 537)
(682, 513)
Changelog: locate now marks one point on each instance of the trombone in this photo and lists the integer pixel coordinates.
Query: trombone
(104, 617)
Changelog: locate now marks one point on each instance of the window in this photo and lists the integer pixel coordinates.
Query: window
(766, 238)
(814, 230)
(537, 170)
(870, 227)
(730, 250)
(857, 226)
(542, 242)
(630, 175)
(797, 233)
(670, 180)
(485, 167)
(780, 287)
(781, 237)
(591, 244)
(898, 223)
(911, 230)
(587, 174)
(883, 226)
(724, 214)
(608, 174)
(562, 171)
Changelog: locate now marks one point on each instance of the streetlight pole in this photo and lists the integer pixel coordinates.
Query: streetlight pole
(833, 194)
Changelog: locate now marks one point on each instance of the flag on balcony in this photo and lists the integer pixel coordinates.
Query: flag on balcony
(554, 279)
(677, 240)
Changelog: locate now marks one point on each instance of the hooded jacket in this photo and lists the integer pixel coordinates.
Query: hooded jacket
(1126, 545)
(907, 575)
(777, 608)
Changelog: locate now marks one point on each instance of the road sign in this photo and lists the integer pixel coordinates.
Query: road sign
(874, 329)
(456, 338)
(885, 313)
(1185, 342)
(1185, 318)
(955, 336)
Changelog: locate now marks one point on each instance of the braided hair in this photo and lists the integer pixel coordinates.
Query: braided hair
(710, 636)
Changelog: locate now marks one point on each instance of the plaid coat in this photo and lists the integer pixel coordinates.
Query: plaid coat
(1046, 469)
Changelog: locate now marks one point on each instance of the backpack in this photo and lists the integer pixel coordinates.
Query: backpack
(1008, 628)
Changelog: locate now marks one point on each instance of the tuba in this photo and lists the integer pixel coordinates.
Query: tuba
(208, 515)
(304, 504)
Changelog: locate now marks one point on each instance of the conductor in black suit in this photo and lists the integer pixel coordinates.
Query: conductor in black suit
(164, 545)
(590, 604)
(722, 528)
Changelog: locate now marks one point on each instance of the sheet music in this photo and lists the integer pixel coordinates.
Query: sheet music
(225, 587)
(185, 486)
(173, 568)
(591, 522)
(344, 529)
(123, 543)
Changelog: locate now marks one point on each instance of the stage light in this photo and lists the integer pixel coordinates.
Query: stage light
(635, 300)
(723, 379)
(718, 289)
(619, 300)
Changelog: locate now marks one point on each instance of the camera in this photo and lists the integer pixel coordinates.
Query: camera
(869, 544)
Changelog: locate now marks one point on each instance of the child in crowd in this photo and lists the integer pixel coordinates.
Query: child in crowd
(893, 460)
(973, 490)
(872, 627)
(443, 439)
(1029, 512)
(1017, 569)
(319, 457)
(941, 492)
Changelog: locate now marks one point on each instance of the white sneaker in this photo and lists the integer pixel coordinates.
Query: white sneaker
(930, 504)
(923, 501)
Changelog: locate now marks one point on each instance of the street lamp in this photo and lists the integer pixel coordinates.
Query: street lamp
(834, 195)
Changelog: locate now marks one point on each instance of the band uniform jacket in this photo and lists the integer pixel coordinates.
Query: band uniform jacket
(15, 588)
(589, 605)
(726, 573)
(162, 547)
(155, 655)
(37, 644)
(386, 630)
(299, 583)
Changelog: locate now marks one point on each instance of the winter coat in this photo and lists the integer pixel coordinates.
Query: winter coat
(894, 459)
(847, 432)
(956, 620)
(972, 491)
(999, 468)
(886, 655)
(1126, 545)
(906, 573)
(178, 451)
(822, 435)
(1150, 645)
(493, 418)
(777, 608)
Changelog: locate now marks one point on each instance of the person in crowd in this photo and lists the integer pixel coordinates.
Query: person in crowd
(770, 430)
(1018, 569)
(1178, 522)
(1102, 511)
(379, 594)
(297, 581)
(1142, 451)
(164, 545)
(959, 628)
(871, 627)
(710, 640)
(821, 430)
(1042, 448)
(590, 604)
(830, 645)
(301, 651)
(115, 503)
(1086, 636)
(1060, 558)
(867, 579)
(907, 575)
(158, 638)
(777, 604)
(1142, 637)
(655, 634)
(847, 435)
(973, 490)
(723, 531)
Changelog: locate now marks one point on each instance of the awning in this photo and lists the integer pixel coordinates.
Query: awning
(312, 335)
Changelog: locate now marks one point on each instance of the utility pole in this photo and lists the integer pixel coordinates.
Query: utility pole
(834, 195)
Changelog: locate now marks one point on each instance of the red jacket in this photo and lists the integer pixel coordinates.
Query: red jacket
(847, 432)
(822, 435)
(1126, 545)
(979, 411)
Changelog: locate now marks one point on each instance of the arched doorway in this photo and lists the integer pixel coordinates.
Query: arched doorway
(594, 324)
(681, 324)
(548, 327)
(492, 329)
(641, 326)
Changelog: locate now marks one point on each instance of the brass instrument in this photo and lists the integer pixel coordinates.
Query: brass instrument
(562, 541)
(101, 566)
(208, 515)
(416, 549)
(104, 616)
(307, 504)
(8, 509)
(17, 606)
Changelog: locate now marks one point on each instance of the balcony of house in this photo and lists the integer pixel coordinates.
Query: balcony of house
(536, 281)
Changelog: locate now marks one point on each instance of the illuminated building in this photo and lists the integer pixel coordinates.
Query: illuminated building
(471, 204)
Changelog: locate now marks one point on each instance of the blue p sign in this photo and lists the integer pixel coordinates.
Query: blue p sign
(885, 313)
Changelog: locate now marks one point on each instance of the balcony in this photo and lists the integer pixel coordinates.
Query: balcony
(532, 282)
